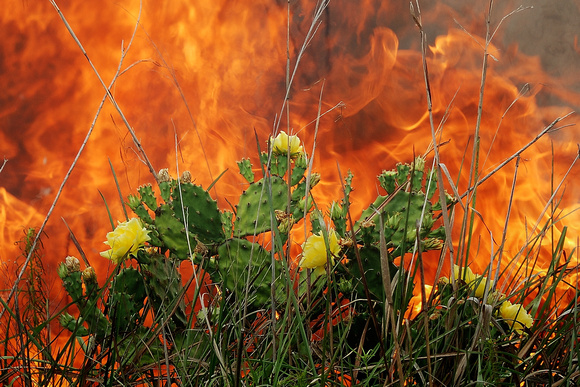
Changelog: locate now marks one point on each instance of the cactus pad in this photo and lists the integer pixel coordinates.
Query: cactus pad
(253, 209)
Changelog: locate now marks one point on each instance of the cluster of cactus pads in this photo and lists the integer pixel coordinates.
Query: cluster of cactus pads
(184, 223)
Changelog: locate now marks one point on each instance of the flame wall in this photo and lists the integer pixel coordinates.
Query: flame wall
(230, 61)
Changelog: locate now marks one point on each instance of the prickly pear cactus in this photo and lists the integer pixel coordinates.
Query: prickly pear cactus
(172, 233)
(188, 215)
(87, 303)
(164, 289)
(402, 210)
(253, 214)
(373, 272)
(127, 298)
(243, 264)
(193, 206)
(338, 212)
(245, 167)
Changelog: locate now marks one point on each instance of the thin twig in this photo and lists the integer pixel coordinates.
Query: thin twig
(416, 14)
(389, 306)
(107, 89)
(74, 163)
(468, 220)
(3, 164)
(546, 130)
(495, 277)
(318, 12)
(546, 207)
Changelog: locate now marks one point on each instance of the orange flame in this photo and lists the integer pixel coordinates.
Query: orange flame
(230, 62)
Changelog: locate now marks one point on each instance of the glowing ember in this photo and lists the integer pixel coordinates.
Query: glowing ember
(229, 59)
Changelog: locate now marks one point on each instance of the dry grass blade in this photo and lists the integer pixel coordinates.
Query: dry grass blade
(416, 14)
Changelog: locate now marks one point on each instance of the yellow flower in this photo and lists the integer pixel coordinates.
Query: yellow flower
(463, 273)
(314, 251)
(516, 316)
(282, 142)
(126, 239)
(479, 285)
(475, 281)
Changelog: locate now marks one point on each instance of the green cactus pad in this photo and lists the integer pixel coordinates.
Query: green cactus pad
(73, 325)
(245, 167)
(172, 232)
(253, 209)
(403, 171)
(194, 206)
(279, 164)
(164, 287)
(299, 169)
(227, 223)
(243, 263)
(127, 298)
(148, 197)
(400, 216)
(165, 188)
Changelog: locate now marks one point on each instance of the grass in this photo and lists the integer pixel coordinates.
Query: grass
(247, 315)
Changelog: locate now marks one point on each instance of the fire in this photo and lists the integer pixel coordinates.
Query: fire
(230, 62)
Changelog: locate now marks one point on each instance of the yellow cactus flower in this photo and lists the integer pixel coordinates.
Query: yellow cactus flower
(516, 316)
(479, 285)
(464, 273)
(475, 281)
(314, 251)
(282, 142)
(126, 239)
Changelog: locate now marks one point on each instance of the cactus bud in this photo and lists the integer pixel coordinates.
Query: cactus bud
(314, 179)
(62, 271)
(335, 211)
(449, 198)
(286, 224)
(72, 264)
(286, 221)
(345, 242)
(186, 177)
(202, 315)
(133, 202)
(403, 171)
(163, 175)
(245, 167)
(393, 221)
(419, 164)
(89, 275)
(302, 205)
(495, 297)
(368, 223)
(72, 324)
(345, 286)
(428, 222)
(66, 319)
(387, 180)
(301, 161)
(432, 244)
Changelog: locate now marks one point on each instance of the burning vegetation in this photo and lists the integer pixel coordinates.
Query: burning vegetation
(400, 217)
